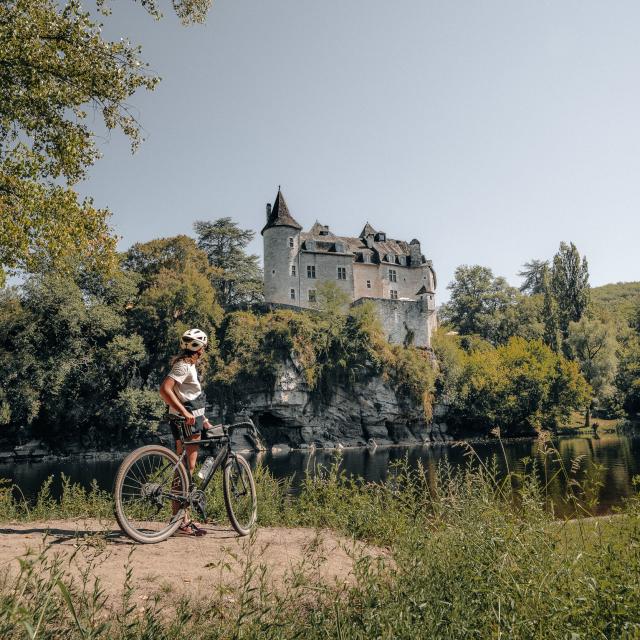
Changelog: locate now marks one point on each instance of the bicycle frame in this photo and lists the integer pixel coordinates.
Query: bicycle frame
(224, 454)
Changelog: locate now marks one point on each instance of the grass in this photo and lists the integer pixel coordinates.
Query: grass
(576, 421)
(471, 555)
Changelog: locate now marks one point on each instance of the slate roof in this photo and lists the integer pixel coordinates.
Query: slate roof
(280, 216)
(325, 243)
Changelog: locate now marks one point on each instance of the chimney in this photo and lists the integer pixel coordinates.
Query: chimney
(268, 211)
(415, 253)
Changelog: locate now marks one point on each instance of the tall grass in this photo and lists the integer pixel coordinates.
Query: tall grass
(470, 554)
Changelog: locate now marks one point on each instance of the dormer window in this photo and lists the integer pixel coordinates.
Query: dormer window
(381, 237)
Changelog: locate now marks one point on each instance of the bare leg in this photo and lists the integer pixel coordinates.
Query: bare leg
(191, 459)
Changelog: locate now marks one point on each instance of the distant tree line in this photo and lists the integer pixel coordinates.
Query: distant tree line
(554, 306)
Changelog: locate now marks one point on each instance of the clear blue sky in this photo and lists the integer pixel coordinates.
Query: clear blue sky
(490, 130)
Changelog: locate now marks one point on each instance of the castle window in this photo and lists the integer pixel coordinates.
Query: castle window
(293, 270)
(292, 294)
(368, 284)
(342, 273)
(311, 271)
(393, 275)
(291, 243)
(394, 294)
(312, 295)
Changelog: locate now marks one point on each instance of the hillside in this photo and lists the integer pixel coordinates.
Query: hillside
(621, 298)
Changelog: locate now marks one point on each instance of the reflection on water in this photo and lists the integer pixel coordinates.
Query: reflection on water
(618, 455)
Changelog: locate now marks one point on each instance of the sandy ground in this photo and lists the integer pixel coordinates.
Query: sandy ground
(178, 566)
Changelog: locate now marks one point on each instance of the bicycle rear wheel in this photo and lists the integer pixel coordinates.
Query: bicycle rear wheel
(240, 494)
(146, 484)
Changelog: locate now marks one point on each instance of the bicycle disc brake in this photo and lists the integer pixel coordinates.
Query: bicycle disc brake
(199, 503)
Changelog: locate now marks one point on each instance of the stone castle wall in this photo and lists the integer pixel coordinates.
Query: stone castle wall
(406, 322)
(278, 258)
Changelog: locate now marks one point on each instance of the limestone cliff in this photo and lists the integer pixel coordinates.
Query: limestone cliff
(369, 409)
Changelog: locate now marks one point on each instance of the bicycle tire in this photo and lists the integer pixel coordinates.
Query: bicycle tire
(241, 503)
(126, 494)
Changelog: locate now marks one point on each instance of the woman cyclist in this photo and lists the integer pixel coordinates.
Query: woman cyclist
(181, 390)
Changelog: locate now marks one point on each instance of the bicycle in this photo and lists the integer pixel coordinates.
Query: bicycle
(154, 487)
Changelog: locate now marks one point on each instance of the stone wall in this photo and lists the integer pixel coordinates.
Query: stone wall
(406, 321)
(326, 269)
(278, 258)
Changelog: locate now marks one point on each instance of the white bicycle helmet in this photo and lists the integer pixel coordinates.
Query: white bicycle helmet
(193, 340)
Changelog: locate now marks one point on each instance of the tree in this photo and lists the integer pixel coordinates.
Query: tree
(477, 300)
(148, 259)
(522, 384)
(238, 277)
(57, 72)
(67, 360)
(175, 293)
(628, 376)
(570, 285)
(552, 334)
(533, 274)
(593, 345)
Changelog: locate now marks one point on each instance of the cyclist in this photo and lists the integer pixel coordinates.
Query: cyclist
(181, 390)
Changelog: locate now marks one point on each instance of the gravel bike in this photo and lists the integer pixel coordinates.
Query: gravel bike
(153, 487)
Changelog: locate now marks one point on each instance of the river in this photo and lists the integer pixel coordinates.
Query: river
(617, 455)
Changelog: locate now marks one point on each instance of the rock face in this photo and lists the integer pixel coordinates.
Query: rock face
(369, 410)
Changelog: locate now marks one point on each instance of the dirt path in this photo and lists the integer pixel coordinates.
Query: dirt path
(182, 565)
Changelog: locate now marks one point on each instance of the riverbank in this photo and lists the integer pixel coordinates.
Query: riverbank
(456, 554)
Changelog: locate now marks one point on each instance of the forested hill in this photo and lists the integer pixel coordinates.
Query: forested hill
(620, 298)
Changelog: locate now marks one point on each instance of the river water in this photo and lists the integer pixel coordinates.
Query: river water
(617, 456)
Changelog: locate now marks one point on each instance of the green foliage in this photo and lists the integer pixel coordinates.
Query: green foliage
(627, 380)
(570, 285)
(485, 305)
(520, 386)
(622, 300)
(335, 345)
(593, 344)
(464, 554)
(57, 71)
(67, 359)
(534, 273)
(237, 276)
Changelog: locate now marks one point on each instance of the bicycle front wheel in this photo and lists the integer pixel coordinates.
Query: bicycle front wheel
(240, 494)
(148, 489)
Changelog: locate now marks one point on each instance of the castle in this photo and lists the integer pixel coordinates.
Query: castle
(392, 274)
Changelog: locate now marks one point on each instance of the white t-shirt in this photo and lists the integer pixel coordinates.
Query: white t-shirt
(187, 386)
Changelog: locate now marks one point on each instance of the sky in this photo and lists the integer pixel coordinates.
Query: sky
(490, 130)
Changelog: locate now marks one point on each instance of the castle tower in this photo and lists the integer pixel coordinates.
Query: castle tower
(281, 241)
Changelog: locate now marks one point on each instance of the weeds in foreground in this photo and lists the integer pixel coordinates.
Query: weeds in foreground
(470, 554)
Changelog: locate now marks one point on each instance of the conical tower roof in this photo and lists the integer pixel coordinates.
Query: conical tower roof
(368, 230)
(280, 216)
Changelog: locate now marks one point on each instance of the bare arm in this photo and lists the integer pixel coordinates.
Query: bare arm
(168, 394)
